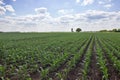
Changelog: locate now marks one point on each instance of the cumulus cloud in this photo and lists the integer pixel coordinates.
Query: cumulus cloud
(87, 2)
(33, 20)
(4, 21)
(41, 10)
(95, 17)
(2, 10)
(92, 19)
(9, 8)
(108, 6)
(95, 14)
(35, 17)
(66, 19)
(106, 3)
(1, 2)
(88, 20)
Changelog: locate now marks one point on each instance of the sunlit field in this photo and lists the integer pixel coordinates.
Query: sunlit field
(60, 56)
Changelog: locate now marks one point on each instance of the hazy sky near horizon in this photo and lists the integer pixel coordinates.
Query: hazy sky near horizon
(59, 15)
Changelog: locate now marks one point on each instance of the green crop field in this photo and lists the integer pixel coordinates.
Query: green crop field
(60, 56)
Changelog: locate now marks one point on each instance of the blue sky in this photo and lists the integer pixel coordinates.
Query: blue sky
(58, 15)
(24, 7)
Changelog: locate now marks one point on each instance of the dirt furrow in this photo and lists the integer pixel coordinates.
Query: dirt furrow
(76, 73)
(63, 66)
(115, 50)
(94, 72)
(52, 74)
(112, 72)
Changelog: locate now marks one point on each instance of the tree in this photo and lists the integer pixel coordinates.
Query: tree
(103, 31)
(114, 30)
(72, 30)
(118, 30)
(78, 30)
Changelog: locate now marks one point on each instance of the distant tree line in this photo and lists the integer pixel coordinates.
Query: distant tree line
(1, 32)
(113, 30)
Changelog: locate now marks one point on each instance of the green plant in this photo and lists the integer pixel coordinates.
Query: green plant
(2, 71)
(44, 73)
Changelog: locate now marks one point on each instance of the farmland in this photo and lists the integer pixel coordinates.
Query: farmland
(60, 56)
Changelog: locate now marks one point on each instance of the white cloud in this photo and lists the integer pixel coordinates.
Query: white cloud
(87, 2)
(2, 10)
(106, 3)
(109, 0)
(37, 17)
(66, 19)
(1, 3)
(90, 20)
(77, 1)
(108, 6)
(42, 17)
(9, 8)
(41, 10)
(14, 0)
(101, 2)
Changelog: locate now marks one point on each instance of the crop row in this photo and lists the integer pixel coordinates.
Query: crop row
(59, 56)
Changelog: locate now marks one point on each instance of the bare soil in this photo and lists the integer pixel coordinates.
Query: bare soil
(76, 73)
(35, 76)
(112, 72)
(63, 66)
(94, 72)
